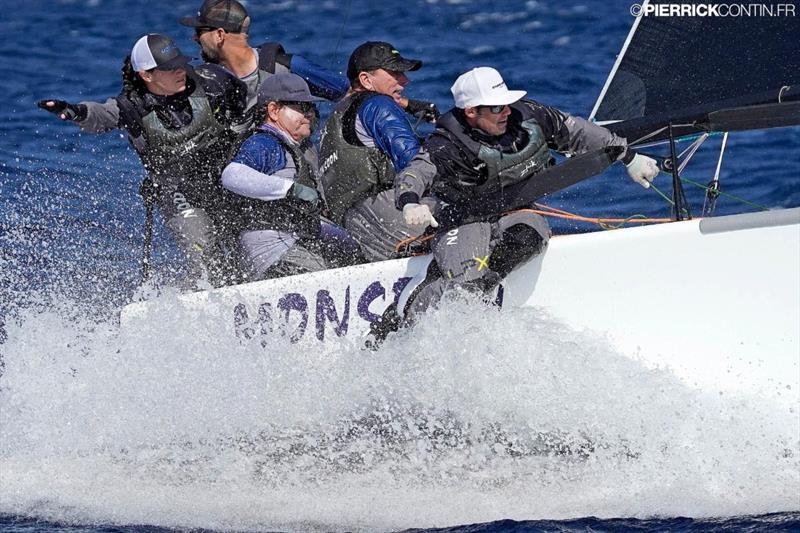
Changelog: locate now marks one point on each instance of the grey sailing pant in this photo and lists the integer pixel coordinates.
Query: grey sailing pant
(194, 217)
(477, 256)
(377, 225)
(273, 253)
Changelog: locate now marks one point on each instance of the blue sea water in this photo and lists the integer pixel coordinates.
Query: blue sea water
(93, 441)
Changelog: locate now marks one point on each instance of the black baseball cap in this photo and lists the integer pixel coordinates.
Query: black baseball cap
(157, 51)
(285, 88)
(229, 15)
(376, 54)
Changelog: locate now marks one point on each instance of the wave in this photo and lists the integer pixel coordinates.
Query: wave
(473, 415)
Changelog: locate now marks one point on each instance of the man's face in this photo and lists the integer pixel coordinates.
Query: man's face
(388, 82)
(165, 82)
(294, 118)
(209, 40)
(492, 120)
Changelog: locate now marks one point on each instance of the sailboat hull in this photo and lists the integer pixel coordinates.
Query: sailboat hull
(716, 300)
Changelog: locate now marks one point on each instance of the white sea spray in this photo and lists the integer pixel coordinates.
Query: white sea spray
(473, 415)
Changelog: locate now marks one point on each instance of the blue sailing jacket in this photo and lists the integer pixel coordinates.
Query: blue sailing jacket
(388, 125)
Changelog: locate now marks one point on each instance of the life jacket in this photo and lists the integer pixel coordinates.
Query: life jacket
(285, 214)
(268, 65)
(350, 171)
(196, 152)
(497, 168)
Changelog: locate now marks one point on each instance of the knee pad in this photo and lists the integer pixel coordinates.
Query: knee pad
(517, 244)
(488, 282)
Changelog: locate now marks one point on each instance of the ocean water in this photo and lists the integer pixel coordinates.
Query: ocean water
(530, 426)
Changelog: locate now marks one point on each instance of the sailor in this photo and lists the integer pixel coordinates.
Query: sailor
(368, 139)
(179, 121)
(221, 29)
(282, 233)
(492, 138)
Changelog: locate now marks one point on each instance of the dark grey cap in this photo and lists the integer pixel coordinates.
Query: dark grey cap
(229, 15)
(285, 88)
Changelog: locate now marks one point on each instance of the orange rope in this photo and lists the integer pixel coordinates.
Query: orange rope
(558, 213)
(405, 242)
(547, 211)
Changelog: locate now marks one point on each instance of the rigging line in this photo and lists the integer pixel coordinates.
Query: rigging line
(547, 210)
(665, 197)
(700, 185)
(729, 195)
(712, 193)
(680, 206)
(647, 136)
(638, 218)
(691, 150)
(341, 32)
(662, 195)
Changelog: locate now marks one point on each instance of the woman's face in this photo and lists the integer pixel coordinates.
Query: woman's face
(165, 82)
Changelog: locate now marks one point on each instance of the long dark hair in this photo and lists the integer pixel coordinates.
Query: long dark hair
(131, 81)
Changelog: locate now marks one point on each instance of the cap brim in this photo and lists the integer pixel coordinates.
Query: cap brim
(503, 99)
(401, 64)
(310, 98)
(191, 21)
(175, 62)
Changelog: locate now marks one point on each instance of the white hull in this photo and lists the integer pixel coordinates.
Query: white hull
(717, 300)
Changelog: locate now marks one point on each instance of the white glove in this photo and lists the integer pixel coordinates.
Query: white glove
(642, 170)
(419, 215)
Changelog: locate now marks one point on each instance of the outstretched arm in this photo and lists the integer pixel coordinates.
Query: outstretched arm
(92, 117)
(576, 135)
(322, 82)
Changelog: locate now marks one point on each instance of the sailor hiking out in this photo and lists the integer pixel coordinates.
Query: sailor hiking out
(491, 139)
(277, 206)
(179, 120)
(366, 141)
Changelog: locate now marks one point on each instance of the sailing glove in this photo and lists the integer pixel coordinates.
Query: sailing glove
(64, 110)
(642, 170)
(419, 215)
(426, 110)
(304, 194)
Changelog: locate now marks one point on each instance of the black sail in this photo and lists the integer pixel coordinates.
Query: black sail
(677, 69)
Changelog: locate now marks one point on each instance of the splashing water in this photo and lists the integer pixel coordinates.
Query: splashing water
(473, 415)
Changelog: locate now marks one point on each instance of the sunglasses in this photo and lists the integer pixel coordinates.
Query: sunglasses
(200, 30)
(306, 108)
(493, 109)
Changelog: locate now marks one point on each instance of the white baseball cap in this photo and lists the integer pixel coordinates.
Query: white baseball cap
(483, 86)
(156, 51)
